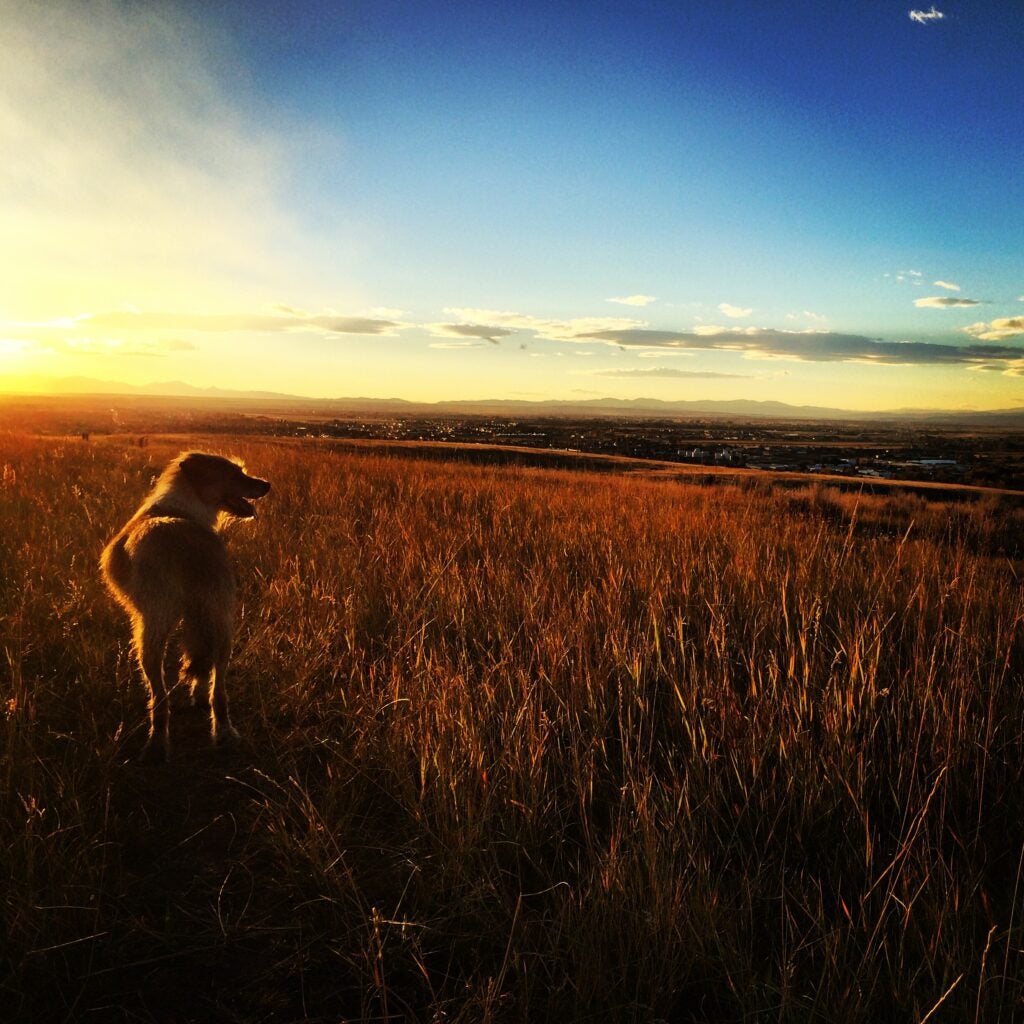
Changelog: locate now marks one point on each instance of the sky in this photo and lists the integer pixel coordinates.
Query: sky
(809, 202)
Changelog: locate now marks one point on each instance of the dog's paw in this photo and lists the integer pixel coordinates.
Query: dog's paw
(200, 697)
(227, 736)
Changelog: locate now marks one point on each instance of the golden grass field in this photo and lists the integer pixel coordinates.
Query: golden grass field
(520, 745)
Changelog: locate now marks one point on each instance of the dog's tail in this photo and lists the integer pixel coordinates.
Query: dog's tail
(115, 564)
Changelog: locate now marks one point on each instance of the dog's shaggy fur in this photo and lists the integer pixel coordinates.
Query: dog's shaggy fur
(168, 568)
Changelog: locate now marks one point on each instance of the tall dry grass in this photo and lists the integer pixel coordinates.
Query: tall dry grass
(522, 745)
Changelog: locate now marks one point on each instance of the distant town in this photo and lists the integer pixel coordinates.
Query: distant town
(955, 453)
(893, 451)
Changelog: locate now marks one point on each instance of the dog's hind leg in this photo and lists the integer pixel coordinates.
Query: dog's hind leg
(207, 641)
(197, 663)
(199, 677)
(150, 646)
(221, 729)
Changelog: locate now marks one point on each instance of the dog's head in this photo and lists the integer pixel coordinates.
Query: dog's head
(221, 483)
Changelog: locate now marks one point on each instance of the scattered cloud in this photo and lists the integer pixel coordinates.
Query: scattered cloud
(552, 330)
(944, 302)
(481, 331)
(1011, 369)
(813, 346)
(634, 300)
(923, 17)
(997, 330)
(710, 330)
(914, 277)
(734, 311)
(948, 285)
(668, 372)
(806, 314)
(456, 344)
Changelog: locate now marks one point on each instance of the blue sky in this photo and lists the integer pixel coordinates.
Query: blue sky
(806, 202)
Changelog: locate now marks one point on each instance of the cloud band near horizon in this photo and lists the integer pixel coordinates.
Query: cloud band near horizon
(668, 372)
(814, 346)
(768, 343)
(492, 326)
(225, 323)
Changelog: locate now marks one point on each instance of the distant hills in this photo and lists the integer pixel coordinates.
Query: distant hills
(647, 408)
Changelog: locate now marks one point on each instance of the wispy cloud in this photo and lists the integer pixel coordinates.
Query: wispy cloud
(459, 345)
(737, 312)
(634, 300)
(948, 285)
(1010, 369)
(257, 323)
(914, 277)
(127, 155)
(808, 315)
(491, 333)
(669, 372)
(997, 330)
(923, 17)
(944, 302)
(552, 330)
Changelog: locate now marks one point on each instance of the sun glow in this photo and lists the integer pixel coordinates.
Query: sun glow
(15, 361)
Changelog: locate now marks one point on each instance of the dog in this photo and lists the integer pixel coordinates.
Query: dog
(168, 568)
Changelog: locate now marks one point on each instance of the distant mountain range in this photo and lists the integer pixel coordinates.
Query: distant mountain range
(594, 407)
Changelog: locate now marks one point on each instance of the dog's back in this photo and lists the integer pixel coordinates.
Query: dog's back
(163, 569)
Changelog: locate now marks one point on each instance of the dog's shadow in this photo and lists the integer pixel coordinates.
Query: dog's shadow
(181, 817)
(185, 837)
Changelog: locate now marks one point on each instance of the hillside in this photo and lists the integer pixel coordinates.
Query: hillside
(522, 744)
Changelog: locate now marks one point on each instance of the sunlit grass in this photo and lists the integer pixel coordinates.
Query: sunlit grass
(526, 745)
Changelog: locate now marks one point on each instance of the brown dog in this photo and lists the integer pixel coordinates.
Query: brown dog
(168, 568)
